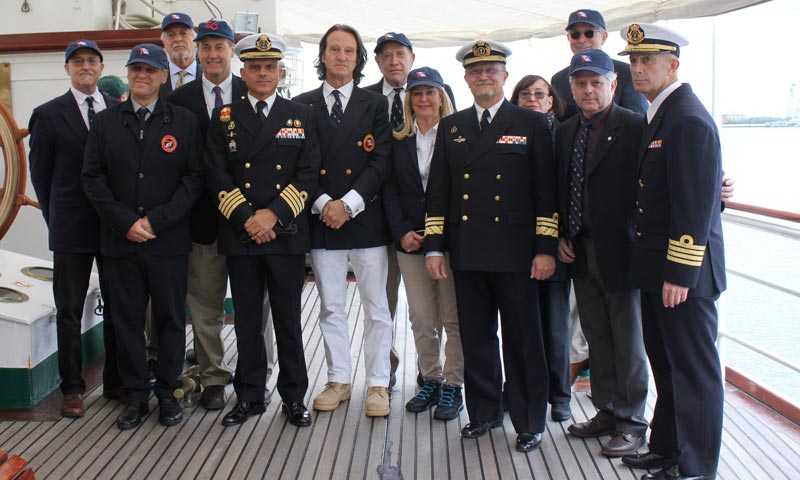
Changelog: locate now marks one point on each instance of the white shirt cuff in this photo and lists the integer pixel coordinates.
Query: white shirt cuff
(434, 254)
(320, 203)
(354, 201)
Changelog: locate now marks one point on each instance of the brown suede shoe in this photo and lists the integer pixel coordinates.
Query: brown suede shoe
(72, 406)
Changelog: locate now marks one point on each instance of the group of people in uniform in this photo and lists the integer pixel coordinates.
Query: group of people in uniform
(610, 177)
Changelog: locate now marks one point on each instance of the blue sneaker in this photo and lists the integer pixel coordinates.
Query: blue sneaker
(427, 397)
(450, 403)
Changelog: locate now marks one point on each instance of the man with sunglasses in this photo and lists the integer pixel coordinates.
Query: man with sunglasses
(492, 206)
(587, 29)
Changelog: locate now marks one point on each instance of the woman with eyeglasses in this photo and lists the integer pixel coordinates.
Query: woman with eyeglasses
(534, 93)
(431, 303)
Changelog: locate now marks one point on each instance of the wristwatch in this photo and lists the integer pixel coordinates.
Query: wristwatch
(347, 209)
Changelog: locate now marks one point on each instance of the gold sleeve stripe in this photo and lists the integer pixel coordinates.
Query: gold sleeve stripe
(228, 201)
(293, 198)
(434, 221)
(687, 243)
(547, 231)
(691, 263)
(547, 226)
(434, 230)
(672, 249)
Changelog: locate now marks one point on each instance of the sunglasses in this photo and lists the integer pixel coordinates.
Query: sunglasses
(539, 94)
(576, 34)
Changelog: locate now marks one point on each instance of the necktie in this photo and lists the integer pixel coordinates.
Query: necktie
(336, 111)
(217, 96)
(142, 114)
(261, 105)
(90, 114)
(181, 78)
(397, 110)
(485, 120)
(576, 165)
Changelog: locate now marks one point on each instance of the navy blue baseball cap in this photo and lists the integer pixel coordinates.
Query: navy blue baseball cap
(592, 17)
(150, 54)
(176, 17)
(593, 60)
(393, 37)
(424, 76)
(78, 44)
(215, 28)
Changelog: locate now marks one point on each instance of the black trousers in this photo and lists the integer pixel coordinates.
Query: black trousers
(480, 296)
(71, 274)
(282, 276)
(554, 310)
(687, 418)
(132, 281)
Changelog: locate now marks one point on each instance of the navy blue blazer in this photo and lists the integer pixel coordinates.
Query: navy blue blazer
(404, 197)
(355, 155)
(58, 137)
(611, 175)
(625, 95)
(204, 219)
(491, 197)
(678, 220)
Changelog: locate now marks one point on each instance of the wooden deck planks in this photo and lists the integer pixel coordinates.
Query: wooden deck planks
(347, 444)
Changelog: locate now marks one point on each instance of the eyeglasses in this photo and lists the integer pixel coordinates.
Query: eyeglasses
(81, 60)
(489, 71)
(539, 94)
(576, 34)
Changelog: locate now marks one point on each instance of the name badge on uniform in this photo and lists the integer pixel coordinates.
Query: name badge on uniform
(654, 144)
(513, 140)
(291, 133)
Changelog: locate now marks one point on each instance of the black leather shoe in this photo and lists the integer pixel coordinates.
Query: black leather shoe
(191, 356)
(169, 411)
(479, 429)
(560, 412)
(597, 426)
(622, 443)
(672, 473)
(131, 416)
(649, 460)
(213, 397)
(528, 441)
(297, 413)
(241, 411)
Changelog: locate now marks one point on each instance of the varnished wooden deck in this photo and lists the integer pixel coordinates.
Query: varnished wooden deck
(757, 443)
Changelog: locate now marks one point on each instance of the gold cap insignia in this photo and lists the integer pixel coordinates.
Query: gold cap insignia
(481, 49)
(454, 129)
(635, 34)
(263, 44)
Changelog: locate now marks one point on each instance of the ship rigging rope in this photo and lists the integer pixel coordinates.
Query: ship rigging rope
(132, 21)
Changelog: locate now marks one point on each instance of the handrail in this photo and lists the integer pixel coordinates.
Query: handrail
(767, 212)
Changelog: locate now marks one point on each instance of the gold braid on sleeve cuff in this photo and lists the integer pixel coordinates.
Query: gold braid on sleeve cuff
(547, 226)
(228, 201)
(295, 199)
(685, 252)
(434, 226)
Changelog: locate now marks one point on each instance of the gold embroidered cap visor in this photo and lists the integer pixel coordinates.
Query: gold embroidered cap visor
(483, 51)
(649, 38)
(260, 45)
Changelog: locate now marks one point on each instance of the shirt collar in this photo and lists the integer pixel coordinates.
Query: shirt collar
(270, 101)
(225, 86)
(136, 106)
(191, 70)
(430, 132)
(346, 90)
(388, 89)
(80, 97)
(656, 103)
(492, 110)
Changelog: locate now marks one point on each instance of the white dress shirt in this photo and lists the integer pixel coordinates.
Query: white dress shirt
(425, 144)
(80, 97)
(226, 88)
(653, 108)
